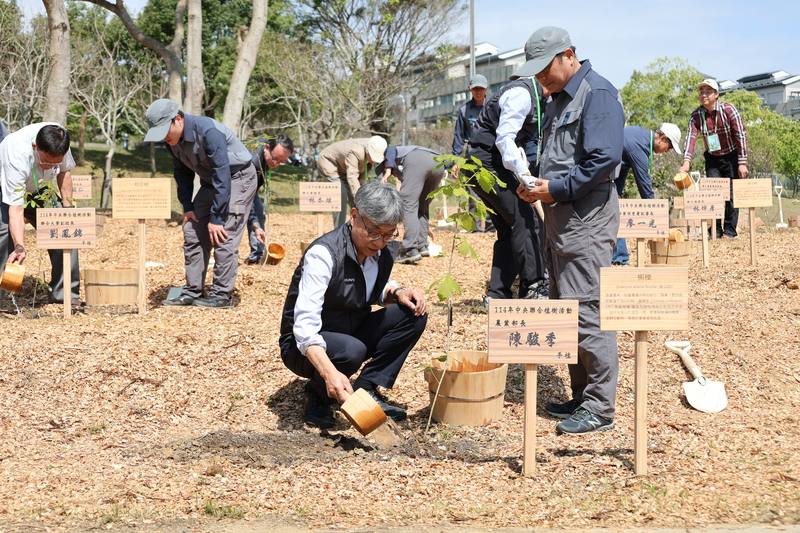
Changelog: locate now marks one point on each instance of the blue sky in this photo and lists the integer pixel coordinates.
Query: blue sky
(726, 39)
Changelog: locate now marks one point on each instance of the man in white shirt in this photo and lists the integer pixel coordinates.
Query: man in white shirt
(510, 120)
(30, 159)
(328, 329)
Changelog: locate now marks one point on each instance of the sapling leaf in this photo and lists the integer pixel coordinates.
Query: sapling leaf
(466, 249)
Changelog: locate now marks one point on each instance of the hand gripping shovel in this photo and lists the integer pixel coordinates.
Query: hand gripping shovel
(703, 394)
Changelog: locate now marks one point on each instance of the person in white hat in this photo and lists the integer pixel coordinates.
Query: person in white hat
(725, 138)
(349, 161)
(640, 145)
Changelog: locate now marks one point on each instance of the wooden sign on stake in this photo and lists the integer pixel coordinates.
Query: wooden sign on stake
(81, 187)
(643, 219)
(66, 229)
(320, 197)
(704, 206)
(722, 185)
(140, 199)
(643, 300)
(752, 193)
(532, 332)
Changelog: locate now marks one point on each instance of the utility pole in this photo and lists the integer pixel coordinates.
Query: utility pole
(471, 38)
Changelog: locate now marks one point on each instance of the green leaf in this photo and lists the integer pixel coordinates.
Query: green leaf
(447, 287)
(486, 180)
(463, 220)
(466, 249)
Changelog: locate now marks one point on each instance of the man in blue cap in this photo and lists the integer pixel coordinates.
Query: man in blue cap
(580, 149)
(218, 213)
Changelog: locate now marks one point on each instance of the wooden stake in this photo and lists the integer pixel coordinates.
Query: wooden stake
(752, 236)
(529, 452)
(713, 229)
(641, 246)
(640, 428)
(320, 224)
(704, 231)
(67, 262)
(142, 277)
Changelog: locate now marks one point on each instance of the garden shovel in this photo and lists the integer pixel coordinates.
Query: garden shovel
(703, 394)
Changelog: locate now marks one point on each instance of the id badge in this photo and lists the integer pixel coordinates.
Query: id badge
(713, 142)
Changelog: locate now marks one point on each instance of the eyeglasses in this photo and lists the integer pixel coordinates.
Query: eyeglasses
(374, 235)
(44, 162)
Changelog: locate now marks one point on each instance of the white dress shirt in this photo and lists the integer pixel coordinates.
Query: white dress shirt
(317, 273)
(18, 164)
(515, 105)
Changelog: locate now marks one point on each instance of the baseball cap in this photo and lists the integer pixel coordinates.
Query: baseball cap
(673, 133)
(540, 49)
(159, 117)
(478, 80)
(710, 83)
(376, 146)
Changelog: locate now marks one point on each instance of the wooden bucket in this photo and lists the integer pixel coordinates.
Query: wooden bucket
(794, 221)
(473, 389)
(275, 253)
(111, 286)
(11, 279)
(363, 412)
(663, 252)
(682, 181)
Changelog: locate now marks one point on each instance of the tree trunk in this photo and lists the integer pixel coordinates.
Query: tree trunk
(82, 139)
(57, 95)
(169, 54)
(152, 160)
(195, 86)
(105, 196)
(245, 61)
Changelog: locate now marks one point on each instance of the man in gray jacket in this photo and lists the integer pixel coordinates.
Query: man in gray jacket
(415, 167)
(581, 146)
(218, 213)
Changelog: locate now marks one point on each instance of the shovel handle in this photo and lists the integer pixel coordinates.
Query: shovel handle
(690, 365)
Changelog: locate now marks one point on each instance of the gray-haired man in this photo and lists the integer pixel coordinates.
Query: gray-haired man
(218, 213)
(328, 329)
(581, 147)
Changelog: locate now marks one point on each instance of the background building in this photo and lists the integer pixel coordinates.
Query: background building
(779, 90)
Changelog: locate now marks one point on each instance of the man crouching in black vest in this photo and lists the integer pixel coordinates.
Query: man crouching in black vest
(328, 329)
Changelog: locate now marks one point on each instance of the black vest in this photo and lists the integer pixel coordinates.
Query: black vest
(484, 133)
(346, 303)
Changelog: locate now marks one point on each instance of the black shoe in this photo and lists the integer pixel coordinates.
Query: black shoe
(318, 412)
(394, 412)
(252, 260)
(408, 257)
(562, 410)
(540, 290)
(183, 299)
(214, 301)
(424, 252)
(583, 421)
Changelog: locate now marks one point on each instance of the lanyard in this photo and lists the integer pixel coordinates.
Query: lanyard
(650, 157)
(716, 120)
(535, 94)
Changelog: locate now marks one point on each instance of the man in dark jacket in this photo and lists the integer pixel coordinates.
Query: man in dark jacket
(273, 154)
(328, 329)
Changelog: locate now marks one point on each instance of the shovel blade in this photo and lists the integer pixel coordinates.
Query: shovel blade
(708, 398)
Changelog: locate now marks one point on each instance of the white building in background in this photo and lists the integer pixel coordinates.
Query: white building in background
(448, 90)
(779, 90)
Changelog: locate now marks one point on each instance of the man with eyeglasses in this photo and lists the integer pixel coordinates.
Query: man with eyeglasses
(328, 330)
(217, 215)
(639, 148)
(725, 139)
(580, 150)
(30, 159)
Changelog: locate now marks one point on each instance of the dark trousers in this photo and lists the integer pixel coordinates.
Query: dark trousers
(256, 218)
(384, 341)
(56, 256)
(518, 249)
(726, 166)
